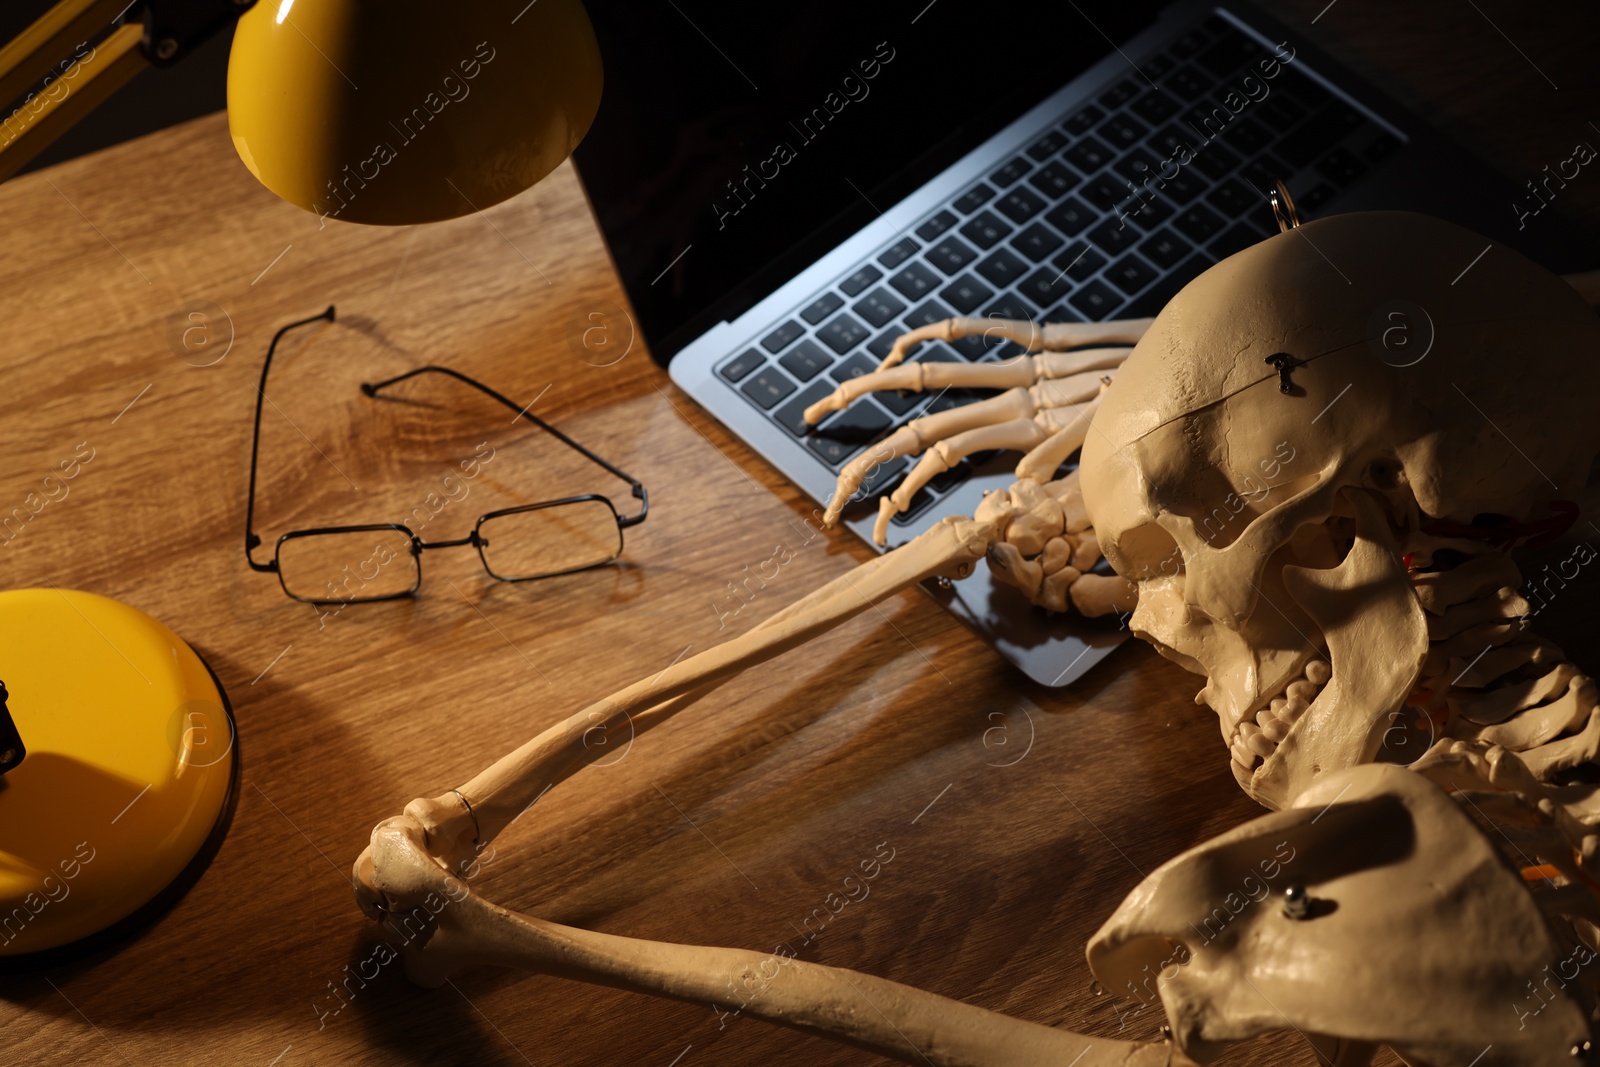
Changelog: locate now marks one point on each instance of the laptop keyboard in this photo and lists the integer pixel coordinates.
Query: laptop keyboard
(1058, 234)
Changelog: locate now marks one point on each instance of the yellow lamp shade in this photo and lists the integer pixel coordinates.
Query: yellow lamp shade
(396, 112)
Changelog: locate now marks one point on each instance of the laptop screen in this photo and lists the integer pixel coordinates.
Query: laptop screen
(738, 142)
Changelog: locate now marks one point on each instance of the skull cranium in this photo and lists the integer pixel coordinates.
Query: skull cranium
(1283, 433)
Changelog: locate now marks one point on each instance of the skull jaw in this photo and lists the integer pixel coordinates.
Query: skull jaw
(1377, 639)
(1242, 674)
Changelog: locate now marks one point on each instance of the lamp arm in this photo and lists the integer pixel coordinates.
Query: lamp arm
(80, 52)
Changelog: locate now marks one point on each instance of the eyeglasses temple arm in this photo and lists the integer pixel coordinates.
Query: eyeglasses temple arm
(372, 388)
(251, 541)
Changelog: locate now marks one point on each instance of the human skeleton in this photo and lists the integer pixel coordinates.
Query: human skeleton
(1311, 510)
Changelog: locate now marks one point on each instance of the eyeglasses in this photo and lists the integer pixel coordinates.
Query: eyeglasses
(383, 561)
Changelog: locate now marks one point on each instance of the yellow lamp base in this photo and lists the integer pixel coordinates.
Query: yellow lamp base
(128, 781)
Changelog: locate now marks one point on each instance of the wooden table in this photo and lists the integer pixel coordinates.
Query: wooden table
(1018, 816)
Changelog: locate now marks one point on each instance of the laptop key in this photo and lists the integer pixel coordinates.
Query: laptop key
(899, 401)
(878, 307)
(1342, 166)
(1123, 131)
(1089, 155)
(741, 365)
(946, 399)
(1119, 94)
(822, 307)
(951, 255)
(856, 425)
(1036, 242)
(1215, 161)
(985, 230)
(1011, 172)
(1113, 236)
(1045, 286)
(1097, 300)
(1083, 121)
(1012, 306)
(833, 453)
(899, 252)
(1189, 83)
(1079, 261)
(1020, 204)
(1063, 313)
(1071, 216)
(973, 199)
(1261, 172)
(1184, 186)
(767, 387)
(1247, 136)
(858, 281)
(844, 333)
(936, 225)
(789, 416)
(782, 337)
(1198, 223)
(1155, 107)
(1165, 249)
(1105, 191)
(854, 367)
(879, 346)
(806, 360)
(1170, 139)
(1233, 198)
(948, 480)
(920, 501)
(1139, 167)
(1055, 179)
(926, 314)
(1047, 146)
(1279, 112)
(1150, 213)
(915, 282)
(966, 293)
(1130, 274)
(1002, 268)
(976, 346)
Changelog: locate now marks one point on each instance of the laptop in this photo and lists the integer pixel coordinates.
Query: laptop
(785, 188)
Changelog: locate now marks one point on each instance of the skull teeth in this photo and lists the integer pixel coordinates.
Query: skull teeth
(1255, 742)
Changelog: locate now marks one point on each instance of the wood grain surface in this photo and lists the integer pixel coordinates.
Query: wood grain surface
(1018, 816)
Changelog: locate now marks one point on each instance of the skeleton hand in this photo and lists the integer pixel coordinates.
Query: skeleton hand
(1046, 409)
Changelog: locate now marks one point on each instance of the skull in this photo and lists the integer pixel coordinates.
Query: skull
(1285, 429)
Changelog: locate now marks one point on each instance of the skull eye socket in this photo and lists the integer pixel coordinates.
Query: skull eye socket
(1147, 552)
(1384, 474)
